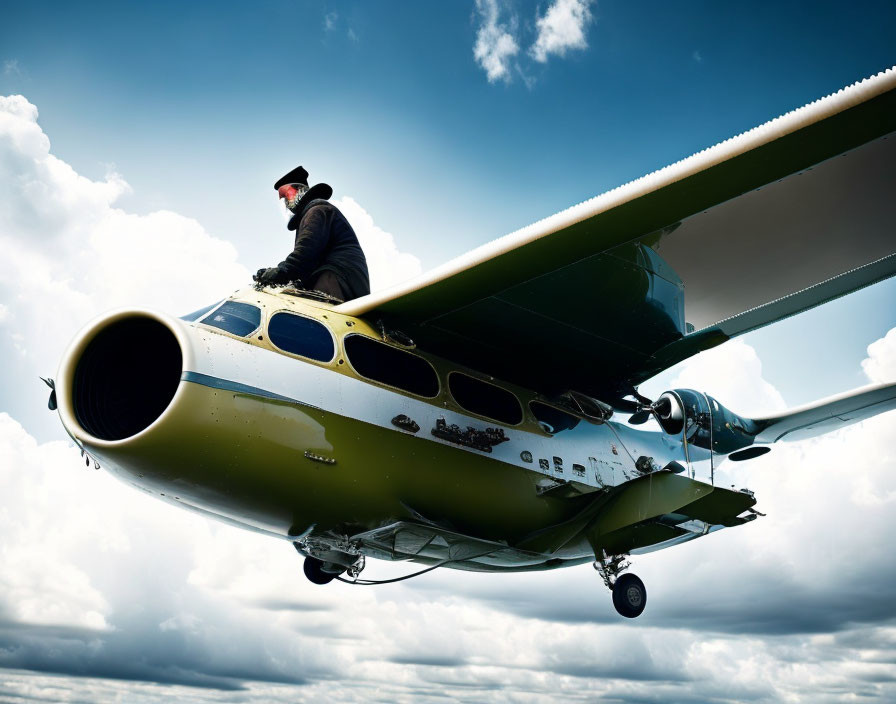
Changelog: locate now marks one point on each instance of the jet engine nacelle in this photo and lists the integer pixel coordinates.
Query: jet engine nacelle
(704, 421)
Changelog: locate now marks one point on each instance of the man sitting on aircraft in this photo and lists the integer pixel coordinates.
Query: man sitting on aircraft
(327, 256)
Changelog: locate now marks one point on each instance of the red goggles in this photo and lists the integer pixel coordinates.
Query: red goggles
(291, 193)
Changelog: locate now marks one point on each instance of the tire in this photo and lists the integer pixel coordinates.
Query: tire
(629, 596)
(313, 569)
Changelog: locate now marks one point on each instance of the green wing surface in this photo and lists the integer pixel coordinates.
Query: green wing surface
(606, 294)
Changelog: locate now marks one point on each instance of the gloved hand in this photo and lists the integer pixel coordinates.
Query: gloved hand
(268, 276)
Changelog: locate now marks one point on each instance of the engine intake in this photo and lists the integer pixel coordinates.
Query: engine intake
(126, 377)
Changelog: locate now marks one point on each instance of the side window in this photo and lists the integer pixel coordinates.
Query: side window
(388, 365)
(485, 399)
(555, 419)
(236, 318)
(302, 336)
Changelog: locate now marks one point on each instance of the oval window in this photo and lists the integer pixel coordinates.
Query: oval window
(381, 362)
(234, 317)
(302, 336)
(485, 399)
(555, 419)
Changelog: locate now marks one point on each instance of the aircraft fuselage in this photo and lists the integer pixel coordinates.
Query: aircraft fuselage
(313, 451)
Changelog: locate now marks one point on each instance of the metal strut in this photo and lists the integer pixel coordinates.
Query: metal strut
(609, 567)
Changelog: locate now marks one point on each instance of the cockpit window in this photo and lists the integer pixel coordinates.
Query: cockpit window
(301, 336)
(553, 419)
(236, 318)
(196, 314)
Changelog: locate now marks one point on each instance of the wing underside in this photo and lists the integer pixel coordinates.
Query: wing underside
(828, 414)
(606, 294)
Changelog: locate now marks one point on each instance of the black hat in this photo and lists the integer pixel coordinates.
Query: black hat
(297, 175)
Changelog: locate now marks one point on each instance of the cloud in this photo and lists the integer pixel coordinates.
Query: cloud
(561, 28)
(11, 68)
(880, 365)
(330, 20)
(65, 241)
(732, 374)
(697, 56)
(386, 263)
(495, 44)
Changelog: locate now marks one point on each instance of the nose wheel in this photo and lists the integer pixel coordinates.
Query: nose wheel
(629, 592)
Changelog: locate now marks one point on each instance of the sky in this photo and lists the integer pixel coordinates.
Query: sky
(138, 148)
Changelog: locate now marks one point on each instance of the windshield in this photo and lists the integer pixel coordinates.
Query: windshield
(196, 314)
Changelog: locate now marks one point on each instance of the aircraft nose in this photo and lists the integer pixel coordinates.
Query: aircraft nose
(119, 375)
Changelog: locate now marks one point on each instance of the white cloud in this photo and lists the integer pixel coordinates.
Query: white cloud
(880, 365)
(387, 265)
(561, 28)
(69, 253)
(732, 374)
(495, 44)
(330, 20)
(11, 67)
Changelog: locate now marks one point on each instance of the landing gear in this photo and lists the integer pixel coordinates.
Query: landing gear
(629, 596)
(629, 592)
(314, 571)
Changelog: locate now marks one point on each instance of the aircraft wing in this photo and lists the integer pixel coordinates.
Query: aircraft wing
(608, 293)
(828, 414)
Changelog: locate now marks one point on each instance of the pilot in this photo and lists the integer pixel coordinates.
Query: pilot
(327, 256)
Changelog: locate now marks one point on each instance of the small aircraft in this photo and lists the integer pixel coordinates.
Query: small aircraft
(486, 415)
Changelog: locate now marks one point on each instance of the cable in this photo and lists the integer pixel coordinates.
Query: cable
(372, 582)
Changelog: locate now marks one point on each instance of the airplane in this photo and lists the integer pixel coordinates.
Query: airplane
(486, 416)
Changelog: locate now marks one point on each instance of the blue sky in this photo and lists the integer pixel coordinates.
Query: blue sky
(168, 124)
(201, 107)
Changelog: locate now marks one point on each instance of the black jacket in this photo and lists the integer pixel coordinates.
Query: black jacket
(326, 242)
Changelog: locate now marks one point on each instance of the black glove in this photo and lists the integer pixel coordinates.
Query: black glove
(271, 275)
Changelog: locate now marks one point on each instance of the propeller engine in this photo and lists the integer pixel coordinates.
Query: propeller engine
(702, 420)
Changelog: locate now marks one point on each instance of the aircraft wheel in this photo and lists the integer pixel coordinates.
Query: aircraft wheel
(629, 596)
(313, 569)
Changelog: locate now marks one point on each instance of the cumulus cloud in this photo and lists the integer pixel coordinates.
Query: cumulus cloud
(880, 364)
(561, 28)
(497, 48)
(387, 265)
(731, 371)
(69, 253)
(495, 44)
